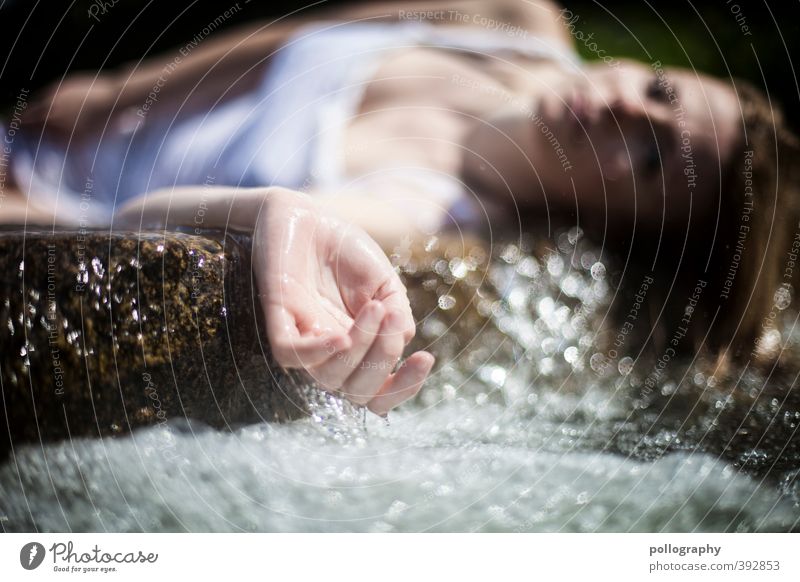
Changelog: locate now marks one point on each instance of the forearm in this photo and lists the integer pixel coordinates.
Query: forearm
(382, 220)
(229, 56)
(238, 209)
(224, 61)
(535, 17)
(17, 209)
(197, 207)
(197, 74)
(229, 62)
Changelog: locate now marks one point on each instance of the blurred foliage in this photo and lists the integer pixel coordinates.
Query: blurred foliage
(43, 39)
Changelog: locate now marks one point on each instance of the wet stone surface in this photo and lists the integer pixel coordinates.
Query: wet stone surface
(102, 333)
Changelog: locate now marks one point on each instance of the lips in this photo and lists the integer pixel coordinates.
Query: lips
(577, 104)
(570, 115)
(577, 113)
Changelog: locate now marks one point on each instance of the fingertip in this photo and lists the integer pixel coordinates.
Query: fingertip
(422, 362)
(426, 359)
(404, 384)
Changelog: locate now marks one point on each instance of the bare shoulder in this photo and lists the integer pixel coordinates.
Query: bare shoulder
(16, 209)
(541, 18)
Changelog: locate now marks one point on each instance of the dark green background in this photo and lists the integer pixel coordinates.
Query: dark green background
(42, 39)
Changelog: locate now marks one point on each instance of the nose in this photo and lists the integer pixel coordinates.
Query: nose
(627, 103)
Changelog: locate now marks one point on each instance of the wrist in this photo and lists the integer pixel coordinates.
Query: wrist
(271, 208)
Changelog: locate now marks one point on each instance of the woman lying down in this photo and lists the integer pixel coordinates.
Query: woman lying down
(334, 137)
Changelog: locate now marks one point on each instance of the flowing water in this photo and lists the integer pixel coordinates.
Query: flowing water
(529, 423)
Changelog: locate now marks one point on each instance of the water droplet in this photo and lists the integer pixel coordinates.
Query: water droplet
(458, 268)
(97, 267)
(564, 243)
(546, 306)
(599, 363)
(769, 342)
(396, 509)
(528, 267)
(517, 299)
(571, 354)
(598, 271)
(494, 375)
(588, 259)
(510, 254)
(571, 285)
(625, 365)
(555, 266)
(783, 297)
(549, 346)
(446, 302)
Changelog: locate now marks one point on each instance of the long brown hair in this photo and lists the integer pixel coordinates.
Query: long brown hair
(767, 181)
(723, 296)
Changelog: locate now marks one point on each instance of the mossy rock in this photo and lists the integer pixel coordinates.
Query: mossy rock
(103, 332)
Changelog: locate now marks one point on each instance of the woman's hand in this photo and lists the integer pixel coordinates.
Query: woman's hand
(333, 303)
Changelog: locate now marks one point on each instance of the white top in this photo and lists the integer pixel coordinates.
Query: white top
(286, 132)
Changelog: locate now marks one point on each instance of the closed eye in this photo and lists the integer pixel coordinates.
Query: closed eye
(656, 90)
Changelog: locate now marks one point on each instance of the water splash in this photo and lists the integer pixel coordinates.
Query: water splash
(529, 423)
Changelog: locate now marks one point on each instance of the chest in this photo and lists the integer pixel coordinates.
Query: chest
(420, 103)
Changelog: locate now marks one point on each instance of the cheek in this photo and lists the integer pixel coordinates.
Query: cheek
(585, 172)
(604, 158)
